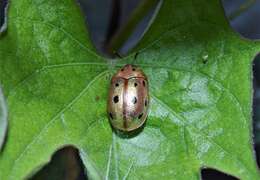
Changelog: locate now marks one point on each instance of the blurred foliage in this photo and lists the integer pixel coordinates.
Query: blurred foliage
(3, 119)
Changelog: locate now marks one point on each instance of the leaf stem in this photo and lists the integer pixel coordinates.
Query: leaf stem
(127, 29)
(241, 9)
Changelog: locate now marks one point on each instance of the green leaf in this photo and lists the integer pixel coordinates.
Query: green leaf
(200, 87)
(3, 119)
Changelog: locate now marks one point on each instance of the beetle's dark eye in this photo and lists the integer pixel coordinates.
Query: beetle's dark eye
(134, 100)
(122, 69)
(116, 84)
(115, 99)
(144, 83)
(111, 115)
(145, 103)
(133, 69)
(140, 116)
(135, 84)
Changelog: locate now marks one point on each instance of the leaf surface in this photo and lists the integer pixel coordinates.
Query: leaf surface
(200, 76)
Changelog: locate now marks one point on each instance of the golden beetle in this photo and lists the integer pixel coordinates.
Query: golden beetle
(128, 99)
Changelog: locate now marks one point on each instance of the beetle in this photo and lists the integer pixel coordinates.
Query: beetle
(128, 99)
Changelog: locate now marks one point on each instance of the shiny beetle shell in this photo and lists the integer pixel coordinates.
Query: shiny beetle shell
(128, 99)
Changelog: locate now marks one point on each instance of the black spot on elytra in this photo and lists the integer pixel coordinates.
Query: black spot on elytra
(111, 115)
(140, 116)
(134, 100)
(135, 84)
(144, 83)
(133, 69)
(116, 84)
(116, 99)
(145, 103)
(122, 69)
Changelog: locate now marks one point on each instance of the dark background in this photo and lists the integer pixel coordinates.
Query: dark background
(104, 18)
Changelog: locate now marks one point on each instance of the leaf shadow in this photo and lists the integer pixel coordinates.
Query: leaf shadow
(65, 164)
(128, 134)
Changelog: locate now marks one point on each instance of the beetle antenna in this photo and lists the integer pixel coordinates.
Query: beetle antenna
(135, 58)
(117, 54)
(136, 54)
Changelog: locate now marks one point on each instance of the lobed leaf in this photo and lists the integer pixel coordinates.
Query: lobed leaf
(200, 83)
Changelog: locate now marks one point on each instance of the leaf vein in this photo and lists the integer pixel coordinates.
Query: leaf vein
(199, 132)
(68, 34)
(74, 100)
